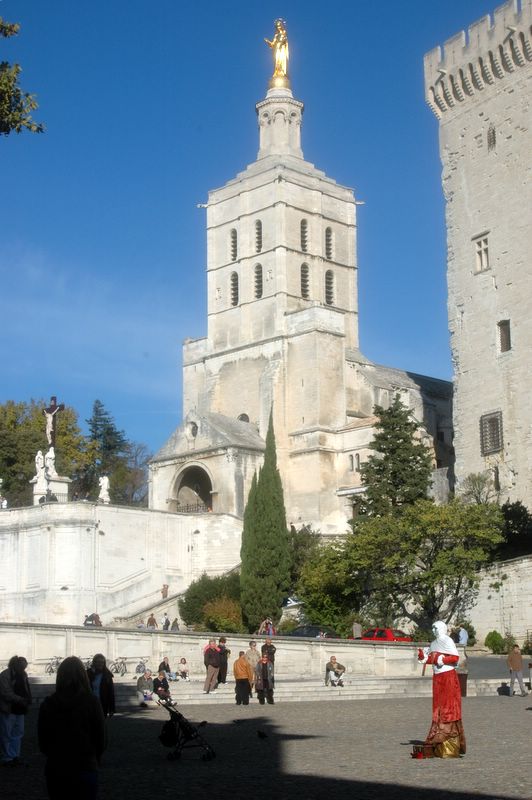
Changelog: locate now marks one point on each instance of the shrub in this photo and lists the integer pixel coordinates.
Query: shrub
(527, 647)
(223, 614)
(471, 631)
(495, 641)
(508, 643)
(288, 625)
(204, 590)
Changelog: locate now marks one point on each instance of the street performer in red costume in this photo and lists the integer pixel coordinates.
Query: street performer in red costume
(446, 734)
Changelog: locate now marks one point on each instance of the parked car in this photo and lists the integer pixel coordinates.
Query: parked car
(314, 632)
(385, 635)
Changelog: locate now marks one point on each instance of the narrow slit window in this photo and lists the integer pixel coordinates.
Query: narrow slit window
(258, 281)
(328, 244)
(233, 244)
(492, 138)
(505, 337)
(258, 236)
(351, 464)
(329, 287)
(304, 235)
(234, 289)
(305, 281)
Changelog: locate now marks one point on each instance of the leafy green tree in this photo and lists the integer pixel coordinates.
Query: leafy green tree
(15, 105)
(478, 487)
(223, 615)
(22, 434)
(424, 564)
(421, 565)
(517, 531)
(331, 590)
(399, 472)
(265, 570)
(205, 590)
(303, 545)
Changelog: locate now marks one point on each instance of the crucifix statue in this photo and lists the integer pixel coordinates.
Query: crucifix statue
(50, 413)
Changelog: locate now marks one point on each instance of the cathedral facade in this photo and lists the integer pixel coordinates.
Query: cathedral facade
(282, 338)
(479, 86)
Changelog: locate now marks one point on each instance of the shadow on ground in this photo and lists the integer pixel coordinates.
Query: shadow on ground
(249, 763)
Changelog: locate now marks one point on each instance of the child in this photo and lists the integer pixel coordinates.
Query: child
(183, 669)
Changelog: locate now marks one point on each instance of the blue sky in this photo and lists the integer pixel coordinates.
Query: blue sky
(147, 106)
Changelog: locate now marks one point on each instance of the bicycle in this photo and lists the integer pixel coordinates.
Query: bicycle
(53, 665)
(119, 666)
(142, 666)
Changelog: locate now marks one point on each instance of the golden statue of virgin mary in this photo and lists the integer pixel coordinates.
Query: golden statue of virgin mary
(279, 46)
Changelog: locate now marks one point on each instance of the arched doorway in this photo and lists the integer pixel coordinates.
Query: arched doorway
(193, 491)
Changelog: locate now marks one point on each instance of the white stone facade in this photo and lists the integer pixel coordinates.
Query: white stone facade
(479, 85)
(282, 336)
(503, 603)
(62, 561)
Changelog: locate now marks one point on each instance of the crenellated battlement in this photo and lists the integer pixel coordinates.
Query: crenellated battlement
(489, 50)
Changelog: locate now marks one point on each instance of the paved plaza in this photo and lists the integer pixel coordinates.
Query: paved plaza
(360, 749)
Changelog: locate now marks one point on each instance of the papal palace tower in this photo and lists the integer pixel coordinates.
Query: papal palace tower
(479, 85)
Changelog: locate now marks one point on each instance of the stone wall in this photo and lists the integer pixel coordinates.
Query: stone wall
(63, 561)
(505, 600)
(294, 657)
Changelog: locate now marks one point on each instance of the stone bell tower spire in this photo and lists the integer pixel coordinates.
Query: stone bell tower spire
(279, 114)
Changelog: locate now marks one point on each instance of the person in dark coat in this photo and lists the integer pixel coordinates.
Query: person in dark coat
(224, 656)
(15, 699)
(268, 649)
(101, 683)
(71, 734)
(212, 660)
(264, 680)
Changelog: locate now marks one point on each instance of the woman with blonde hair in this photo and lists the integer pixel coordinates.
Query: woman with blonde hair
(71, 732)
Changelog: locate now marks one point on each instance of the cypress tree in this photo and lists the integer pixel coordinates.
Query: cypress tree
(265, 571)
(399, 472)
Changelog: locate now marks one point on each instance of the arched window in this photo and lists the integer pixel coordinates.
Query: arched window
(357, 462)
(233, 244)
(305, 281)
(328, 244)
(329, 287)
(258, 281)
(304, 235)
(243, 417)
(351, 463)
(234, 289)
(258, 236)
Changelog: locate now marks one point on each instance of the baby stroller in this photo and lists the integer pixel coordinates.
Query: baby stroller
(179, 733)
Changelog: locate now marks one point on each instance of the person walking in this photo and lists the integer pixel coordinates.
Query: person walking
(243, 679)
(101, 683)
(253, 656)
(515, 663)
(71, 734)
(212, 660)
(15, 700)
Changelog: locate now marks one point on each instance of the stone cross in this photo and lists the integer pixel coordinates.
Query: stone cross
(50, 413)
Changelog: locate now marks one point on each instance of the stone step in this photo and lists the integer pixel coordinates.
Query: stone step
(355, 688)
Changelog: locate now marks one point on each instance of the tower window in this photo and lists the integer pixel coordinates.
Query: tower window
(234, 289)
(351, 464)
(329, 287)
(505, 339)
(482, 260)
(357, 462)
(492, 138)
(258, 281)
(305, 281)
(233, 244)
(491, 433)
(258, 236)
(304, 235)
(328, 244)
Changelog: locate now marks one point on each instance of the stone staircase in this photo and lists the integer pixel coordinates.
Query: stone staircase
(360, 687)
